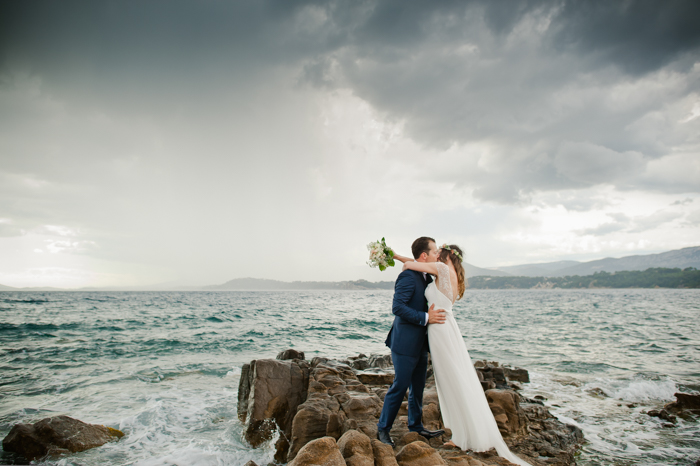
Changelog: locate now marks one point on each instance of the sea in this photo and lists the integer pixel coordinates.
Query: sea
(164, 367)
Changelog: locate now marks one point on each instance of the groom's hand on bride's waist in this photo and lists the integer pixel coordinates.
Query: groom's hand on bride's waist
(436, 316)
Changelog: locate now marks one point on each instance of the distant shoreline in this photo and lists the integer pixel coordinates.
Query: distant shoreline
(658, 277)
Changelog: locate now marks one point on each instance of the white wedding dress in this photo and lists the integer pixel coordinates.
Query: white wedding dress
(462, 401)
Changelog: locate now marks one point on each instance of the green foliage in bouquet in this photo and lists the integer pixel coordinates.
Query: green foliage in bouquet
(380, 255)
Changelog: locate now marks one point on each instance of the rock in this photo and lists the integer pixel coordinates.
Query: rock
(517, 374)
(323, 451)
(485, 363)
(356, 448)
(244, 392)
(688, 400)
(662, 414)
(363, 409)
(318, 360)
(251, 463)
(317, 417)
(322, 414)
(337, 402)
(275, 389)
(431, 416)
(419, 454)
(380, 392)
(488, 385)
(360, 364)
(684, 402)
(383, 454)
(515, 386)
(380, 361)
(547, 437)
(410, 437)
(290, 354)
(492, 375)
(456, 457)
(56, 435)
(499, 376)
(505, 406)
(376, 378)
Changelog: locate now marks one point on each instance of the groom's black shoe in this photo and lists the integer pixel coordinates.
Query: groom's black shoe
(430, 433)
(384, 437)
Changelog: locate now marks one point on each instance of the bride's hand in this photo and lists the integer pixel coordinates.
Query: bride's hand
(405, 266)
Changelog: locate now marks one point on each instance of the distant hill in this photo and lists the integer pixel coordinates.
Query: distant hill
(679, 258)
(656, 277)
(259, 284)
(30, 288)
(474, 271)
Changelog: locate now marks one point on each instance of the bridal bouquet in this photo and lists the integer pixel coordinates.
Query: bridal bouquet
(380, 255)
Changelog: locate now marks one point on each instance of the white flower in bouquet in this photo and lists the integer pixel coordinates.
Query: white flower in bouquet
(380, 255)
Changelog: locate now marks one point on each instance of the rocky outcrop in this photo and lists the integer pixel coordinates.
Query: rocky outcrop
(290, 354)
(338, 409)
(57, 435)
(269, 393)
(336, 403)
(505, 406)
(493, 375)
(546, 438)
(685, 402)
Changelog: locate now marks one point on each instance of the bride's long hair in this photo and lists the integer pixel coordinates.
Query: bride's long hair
(457, 262)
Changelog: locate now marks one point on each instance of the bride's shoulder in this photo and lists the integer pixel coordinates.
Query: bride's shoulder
(441, 266)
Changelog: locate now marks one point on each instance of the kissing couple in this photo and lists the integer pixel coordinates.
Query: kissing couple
(424, 294)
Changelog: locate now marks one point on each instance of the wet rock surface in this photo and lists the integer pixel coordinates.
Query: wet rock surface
(269, 393)
(55, 436)
(685, 403)
(332, 408)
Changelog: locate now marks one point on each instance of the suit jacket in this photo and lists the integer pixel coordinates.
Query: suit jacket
(408, 336)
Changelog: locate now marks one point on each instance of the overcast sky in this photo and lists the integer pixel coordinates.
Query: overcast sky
(197, 142)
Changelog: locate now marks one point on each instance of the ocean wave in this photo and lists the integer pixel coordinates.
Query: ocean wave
(635, 390)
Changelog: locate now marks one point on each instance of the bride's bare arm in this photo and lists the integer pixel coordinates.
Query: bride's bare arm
(403, 259)
(425, 267)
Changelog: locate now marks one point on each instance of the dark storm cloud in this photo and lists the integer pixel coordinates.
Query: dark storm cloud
(561, 91)
(638, 36)
(542, 84)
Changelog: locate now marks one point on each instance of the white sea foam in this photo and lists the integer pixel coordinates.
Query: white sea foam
(636, 390)
(235, 372)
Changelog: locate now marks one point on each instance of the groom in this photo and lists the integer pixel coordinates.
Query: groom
(408, 340)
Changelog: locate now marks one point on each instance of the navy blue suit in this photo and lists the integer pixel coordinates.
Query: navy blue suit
(408, 340)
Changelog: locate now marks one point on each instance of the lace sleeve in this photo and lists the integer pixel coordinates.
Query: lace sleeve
(444, 283)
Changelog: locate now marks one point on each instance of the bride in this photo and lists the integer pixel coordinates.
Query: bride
(463, 403)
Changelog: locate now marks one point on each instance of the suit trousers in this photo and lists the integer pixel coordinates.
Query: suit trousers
(409, 373)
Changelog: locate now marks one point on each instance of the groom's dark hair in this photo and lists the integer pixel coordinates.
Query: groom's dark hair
(420, 246)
